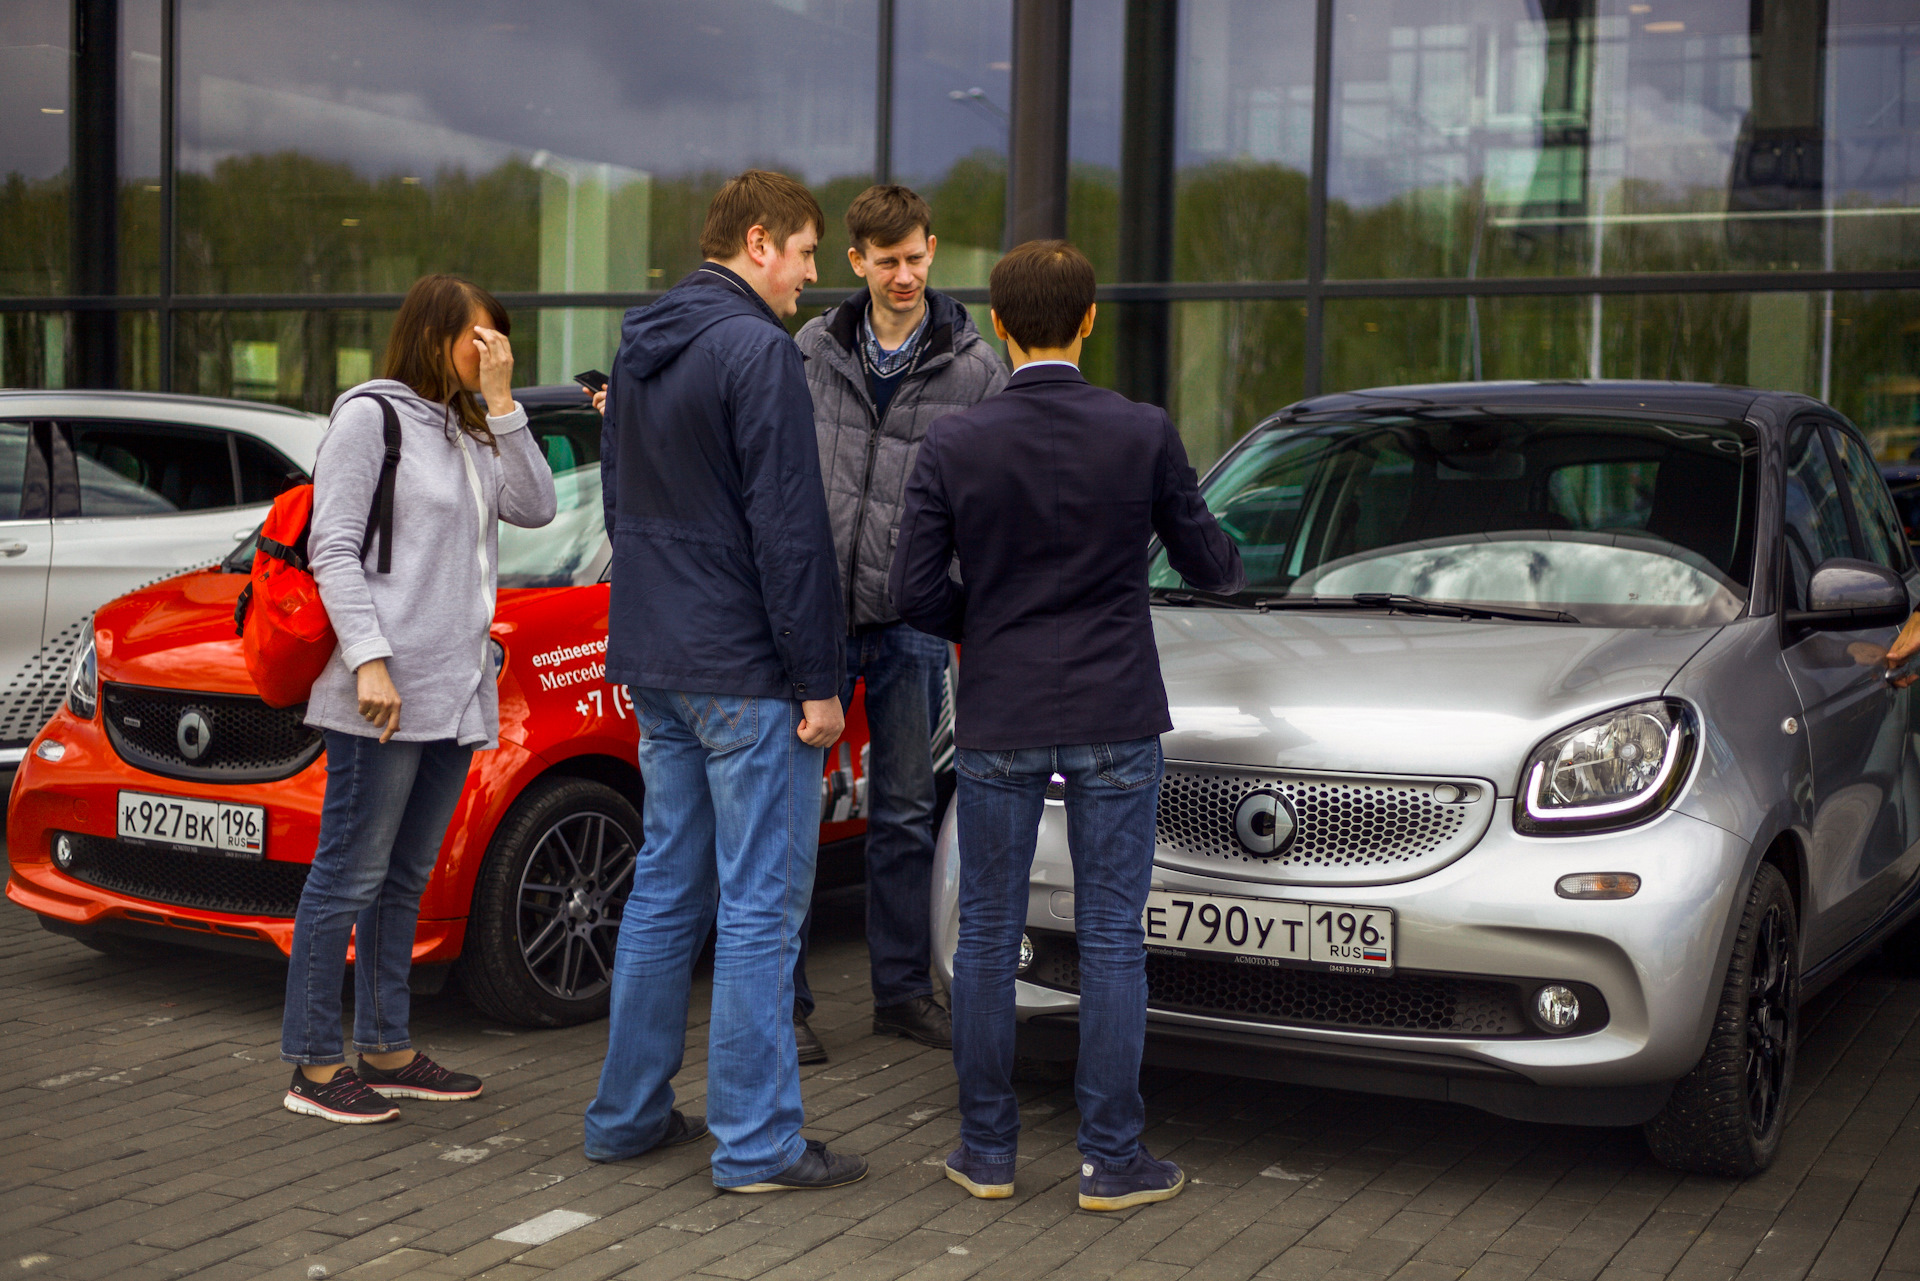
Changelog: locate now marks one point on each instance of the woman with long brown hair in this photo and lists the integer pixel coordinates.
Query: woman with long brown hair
(409, 694)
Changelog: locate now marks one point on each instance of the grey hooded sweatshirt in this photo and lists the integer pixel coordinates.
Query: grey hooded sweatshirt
(429, 616)
(866, 456)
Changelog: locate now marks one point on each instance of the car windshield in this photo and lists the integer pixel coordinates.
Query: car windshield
(1612, 521)
(571, 550)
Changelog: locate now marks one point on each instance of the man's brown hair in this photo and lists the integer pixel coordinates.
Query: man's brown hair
(1041, 291)
(433, 316)
(886, 215)
(758, 198)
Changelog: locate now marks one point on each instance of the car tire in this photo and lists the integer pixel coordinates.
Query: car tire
(1726, 1116)
(547, 903)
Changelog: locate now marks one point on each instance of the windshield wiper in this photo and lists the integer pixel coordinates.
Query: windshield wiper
(1194, 596)
(1397, 602)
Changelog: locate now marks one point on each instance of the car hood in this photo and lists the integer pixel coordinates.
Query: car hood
(175, 634)
(1388, 694)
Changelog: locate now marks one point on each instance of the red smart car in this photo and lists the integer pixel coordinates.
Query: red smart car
(166, 802)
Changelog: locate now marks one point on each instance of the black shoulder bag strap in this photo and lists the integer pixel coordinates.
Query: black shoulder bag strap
(380, 515)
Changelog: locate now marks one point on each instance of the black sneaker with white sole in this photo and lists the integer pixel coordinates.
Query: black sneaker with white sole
(420, 1079)
(345, 1099)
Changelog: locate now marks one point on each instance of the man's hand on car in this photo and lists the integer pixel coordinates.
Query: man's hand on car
(821, 722)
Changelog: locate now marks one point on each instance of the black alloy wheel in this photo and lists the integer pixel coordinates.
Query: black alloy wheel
(547, 905)
(1770, 1021)
(1726, 1115)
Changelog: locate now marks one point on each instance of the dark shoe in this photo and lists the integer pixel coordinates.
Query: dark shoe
(921, 1019)
(811, 1051)
(1142, 1183)
(681, 1129)
(817, 1168)
(420, 1079)
(989, 1182)
(345, 1099)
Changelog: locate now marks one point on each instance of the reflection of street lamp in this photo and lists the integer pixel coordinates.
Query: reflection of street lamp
(977, 97)
(569, 171)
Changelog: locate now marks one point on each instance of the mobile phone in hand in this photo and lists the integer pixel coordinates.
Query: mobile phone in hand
(592, 380)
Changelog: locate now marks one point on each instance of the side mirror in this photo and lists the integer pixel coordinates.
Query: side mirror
(1847, 594)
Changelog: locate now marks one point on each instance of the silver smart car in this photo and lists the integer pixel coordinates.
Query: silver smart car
(1547, 763)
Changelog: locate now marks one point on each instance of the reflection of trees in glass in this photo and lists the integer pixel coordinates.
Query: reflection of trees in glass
(33, 235)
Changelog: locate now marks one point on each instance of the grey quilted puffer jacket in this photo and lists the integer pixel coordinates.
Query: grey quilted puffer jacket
(866, 464)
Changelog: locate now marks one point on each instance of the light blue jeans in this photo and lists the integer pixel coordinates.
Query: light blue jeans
(732, 820)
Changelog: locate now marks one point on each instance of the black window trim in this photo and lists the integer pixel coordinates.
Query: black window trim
(66, 471)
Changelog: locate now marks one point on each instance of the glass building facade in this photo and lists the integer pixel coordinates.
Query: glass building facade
(1281, 196)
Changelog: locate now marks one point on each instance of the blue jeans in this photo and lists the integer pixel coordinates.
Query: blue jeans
(732, 819)
(381, 824)
(1113, 793)
(905, 673)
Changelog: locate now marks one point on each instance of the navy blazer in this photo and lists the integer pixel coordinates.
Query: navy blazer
(1049, 493)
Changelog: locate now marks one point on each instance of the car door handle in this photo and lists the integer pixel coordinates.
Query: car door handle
(12, 549)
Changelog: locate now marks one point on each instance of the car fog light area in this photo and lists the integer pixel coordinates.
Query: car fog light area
(1598, 885)
(63, 850)
(1556, 1007)
(50, 749)
(1617, 769)
(1026, 955)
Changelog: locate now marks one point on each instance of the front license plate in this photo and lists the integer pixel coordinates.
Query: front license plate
(235, 831)
(1265, 932)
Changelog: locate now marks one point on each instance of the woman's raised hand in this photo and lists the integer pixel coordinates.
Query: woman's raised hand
(496, 370)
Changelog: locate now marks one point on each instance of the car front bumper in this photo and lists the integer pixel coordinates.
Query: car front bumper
(1658, 959)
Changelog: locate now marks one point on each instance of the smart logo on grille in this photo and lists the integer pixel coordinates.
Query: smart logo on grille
(193, 735)
(1264, 824)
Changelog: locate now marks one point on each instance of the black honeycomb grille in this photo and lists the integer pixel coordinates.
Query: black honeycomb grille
(1342, 824)
(1421, 1004)
(247, 741)
(245, 887)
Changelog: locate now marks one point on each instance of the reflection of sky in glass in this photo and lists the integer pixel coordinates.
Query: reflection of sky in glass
(1525, 572)
(654, 85)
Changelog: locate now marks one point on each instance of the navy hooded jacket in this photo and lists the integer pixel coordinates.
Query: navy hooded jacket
(723, 569)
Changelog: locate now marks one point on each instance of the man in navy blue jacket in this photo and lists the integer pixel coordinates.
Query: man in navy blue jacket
(1049, 494)
(724, 618)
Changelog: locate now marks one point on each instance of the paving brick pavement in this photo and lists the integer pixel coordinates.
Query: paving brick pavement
(141, 1136)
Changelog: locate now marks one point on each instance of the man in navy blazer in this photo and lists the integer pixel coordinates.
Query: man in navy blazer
(1049, 494)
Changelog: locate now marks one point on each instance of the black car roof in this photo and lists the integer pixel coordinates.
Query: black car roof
(1704, 399)
(555, 396)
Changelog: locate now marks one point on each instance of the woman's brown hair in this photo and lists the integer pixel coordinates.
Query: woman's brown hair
(437, 310)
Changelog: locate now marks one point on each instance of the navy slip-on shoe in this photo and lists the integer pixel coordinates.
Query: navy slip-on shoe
(817, 1168)
(1143, 1182)
(681, 1129)
(990, 1181)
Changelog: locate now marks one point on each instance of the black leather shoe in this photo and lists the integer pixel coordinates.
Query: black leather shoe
(811, 1051)
(817, 1168)
(921, 1019)
(681, 1128)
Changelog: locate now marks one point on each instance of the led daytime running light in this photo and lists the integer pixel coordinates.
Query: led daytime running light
(1538, 815)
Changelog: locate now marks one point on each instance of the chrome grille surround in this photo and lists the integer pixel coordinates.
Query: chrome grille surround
(1353, 829)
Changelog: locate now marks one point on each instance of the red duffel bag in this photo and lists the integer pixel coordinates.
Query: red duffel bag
(283, 627)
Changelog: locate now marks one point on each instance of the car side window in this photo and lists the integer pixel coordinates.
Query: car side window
(265, 473)
(148, 469)
(1880, 526)
(16, 446)
(1815, 528)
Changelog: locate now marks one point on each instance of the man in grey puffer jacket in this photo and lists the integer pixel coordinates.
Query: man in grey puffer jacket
(882, 366)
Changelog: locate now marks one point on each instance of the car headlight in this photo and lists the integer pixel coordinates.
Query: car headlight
(83, 683)
(1618, 769)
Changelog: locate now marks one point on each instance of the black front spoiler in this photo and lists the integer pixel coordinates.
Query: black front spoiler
(1412, 1074)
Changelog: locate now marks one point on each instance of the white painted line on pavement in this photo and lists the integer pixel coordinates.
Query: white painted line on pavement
(544, 1228)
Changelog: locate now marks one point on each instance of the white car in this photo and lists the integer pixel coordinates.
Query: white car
(102, 492)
